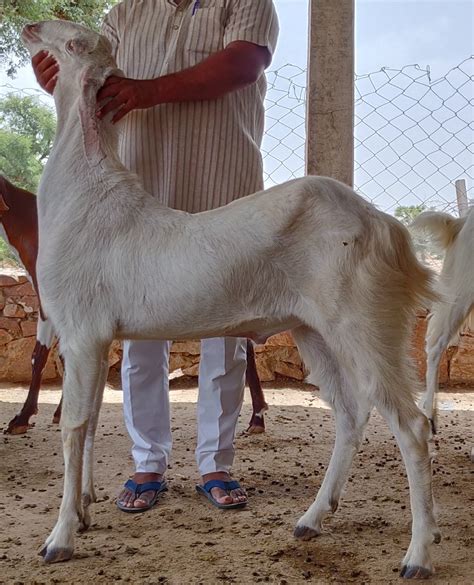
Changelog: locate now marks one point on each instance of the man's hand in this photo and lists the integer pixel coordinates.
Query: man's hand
(46, 70)
(126, 95)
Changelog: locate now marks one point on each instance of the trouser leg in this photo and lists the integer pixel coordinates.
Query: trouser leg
(221, 391)
(145, 366)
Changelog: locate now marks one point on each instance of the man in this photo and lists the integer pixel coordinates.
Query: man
(193, 96)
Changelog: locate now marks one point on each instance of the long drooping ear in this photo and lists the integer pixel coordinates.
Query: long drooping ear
(3, 206)
(91, 81)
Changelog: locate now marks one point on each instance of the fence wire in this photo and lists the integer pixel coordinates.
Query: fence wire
(413, 135)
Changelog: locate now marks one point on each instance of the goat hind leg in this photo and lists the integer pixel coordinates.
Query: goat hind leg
(21, 422)
(259, 406)
(411, 430)
(443, 325)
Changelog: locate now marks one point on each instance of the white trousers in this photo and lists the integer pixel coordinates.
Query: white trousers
(147, 409)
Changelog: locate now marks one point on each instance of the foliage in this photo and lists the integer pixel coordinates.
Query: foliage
(14, 14)
(26, 116)
(18, 162)
(27, 130)
(407, 213)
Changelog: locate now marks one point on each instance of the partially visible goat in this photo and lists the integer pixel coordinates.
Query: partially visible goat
(456, 287)
(19, 227)
(309, 255)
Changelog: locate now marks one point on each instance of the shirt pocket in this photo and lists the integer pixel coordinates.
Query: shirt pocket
(205, 32)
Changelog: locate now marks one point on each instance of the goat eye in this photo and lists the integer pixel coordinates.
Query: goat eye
(69, 46)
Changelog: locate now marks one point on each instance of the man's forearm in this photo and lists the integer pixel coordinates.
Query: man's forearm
(231, 69)
(234, 68)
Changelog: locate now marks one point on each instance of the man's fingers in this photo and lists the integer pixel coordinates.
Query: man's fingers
(123, 111)
(39, 57)
(110, 107)
(49, 87)
(110, 88)
(45, 63)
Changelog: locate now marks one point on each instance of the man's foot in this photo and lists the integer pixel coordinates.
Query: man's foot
(129, 498)
(225, 497)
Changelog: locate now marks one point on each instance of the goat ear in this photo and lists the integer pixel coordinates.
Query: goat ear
(3, 206)
(76, 46)
(91, 81)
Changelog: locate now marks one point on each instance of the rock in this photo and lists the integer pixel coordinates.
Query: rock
(21, 290)
(4, 337)
(11, 325)
(28, 328)
(14, 279)
(13, 310)
(462, 361)
(15, 365)
(191, 347)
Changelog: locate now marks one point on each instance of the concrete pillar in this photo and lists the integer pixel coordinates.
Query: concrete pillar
(330, 99)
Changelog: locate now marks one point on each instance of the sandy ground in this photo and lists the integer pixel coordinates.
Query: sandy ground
(184, 540)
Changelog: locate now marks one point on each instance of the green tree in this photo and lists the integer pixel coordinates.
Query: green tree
(26, 116)
(14, 14)
(422, 244)
(407, 213)
(27, 130)
(18, 162)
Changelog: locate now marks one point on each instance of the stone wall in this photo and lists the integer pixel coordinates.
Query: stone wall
(278, 357)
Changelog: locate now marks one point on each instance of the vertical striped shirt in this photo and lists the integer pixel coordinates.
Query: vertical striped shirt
(193, 156)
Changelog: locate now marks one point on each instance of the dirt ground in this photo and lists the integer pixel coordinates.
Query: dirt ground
(184, 540)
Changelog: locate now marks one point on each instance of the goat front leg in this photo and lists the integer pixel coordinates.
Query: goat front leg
(81, 384)
(88, 489)
(351, 411)
(44, 340)
(259, 406)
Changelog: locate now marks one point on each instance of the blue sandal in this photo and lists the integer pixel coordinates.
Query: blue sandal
(138, 488)
(227, 486)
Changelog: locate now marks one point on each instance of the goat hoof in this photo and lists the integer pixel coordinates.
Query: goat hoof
(437, 537)
(433, 426)
(415, 572)
(255, 429)
(305, 533)
(17, 428)
(56, 555)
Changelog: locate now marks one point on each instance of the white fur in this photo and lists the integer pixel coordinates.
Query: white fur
(456, 287)
(309, 255)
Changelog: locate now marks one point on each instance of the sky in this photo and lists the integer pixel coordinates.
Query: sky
(389, 34)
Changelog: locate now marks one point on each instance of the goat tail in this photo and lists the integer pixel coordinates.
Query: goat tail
(417, 280)
(442, 227)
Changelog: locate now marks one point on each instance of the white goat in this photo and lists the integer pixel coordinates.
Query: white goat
(456, 288)
(309, 255)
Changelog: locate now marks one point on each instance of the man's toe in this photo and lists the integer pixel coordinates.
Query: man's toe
(126, 498)
(221, 496)
(238, 495)
(144, 499)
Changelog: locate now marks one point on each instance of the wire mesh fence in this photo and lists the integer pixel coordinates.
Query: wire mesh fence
(413, 135)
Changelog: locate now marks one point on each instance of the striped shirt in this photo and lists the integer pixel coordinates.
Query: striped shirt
(193, 156)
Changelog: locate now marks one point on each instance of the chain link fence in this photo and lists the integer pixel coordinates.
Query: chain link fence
(413, 135)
